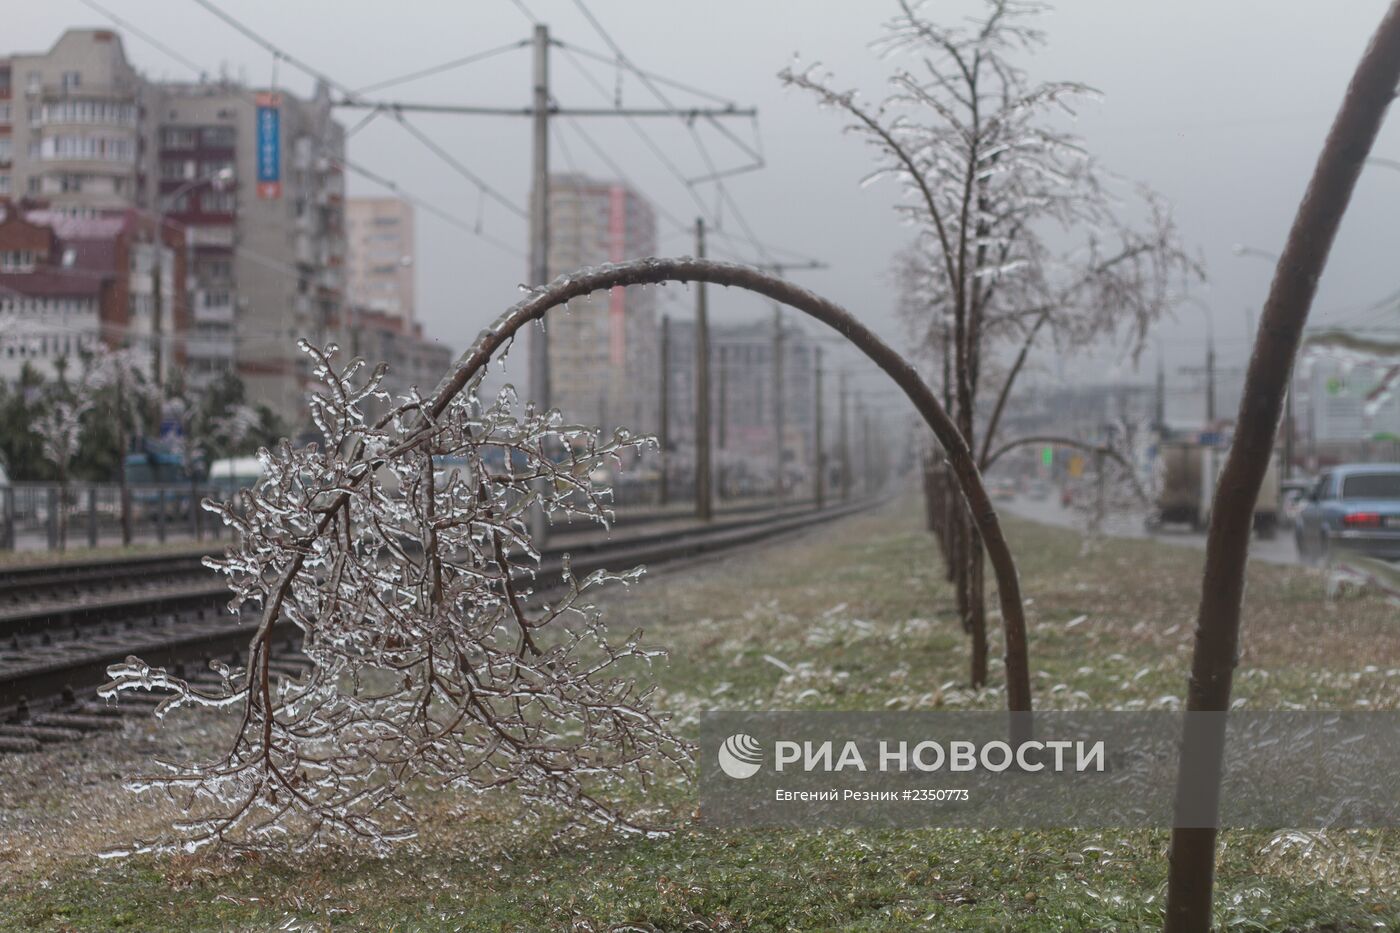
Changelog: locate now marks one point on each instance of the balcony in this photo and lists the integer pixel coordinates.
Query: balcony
(214, 307)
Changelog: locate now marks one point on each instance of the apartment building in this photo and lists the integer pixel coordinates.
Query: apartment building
(742, 403)
(72, 124)
(379, 234)
(412, 358)
(253, 175)
(603, 351)
(68, 283)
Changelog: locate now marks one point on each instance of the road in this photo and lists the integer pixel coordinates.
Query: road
(1048, 511)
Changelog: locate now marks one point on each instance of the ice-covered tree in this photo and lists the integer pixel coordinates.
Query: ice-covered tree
(400, 550)
(60, 427)
(1021, 239)
(136, 398)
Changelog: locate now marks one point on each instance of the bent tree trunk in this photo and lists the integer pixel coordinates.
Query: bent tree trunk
(982, 514)
(1191, 875)
(656, 272)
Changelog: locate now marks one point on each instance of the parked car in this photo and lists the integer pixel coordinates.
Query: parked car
(1354, 507)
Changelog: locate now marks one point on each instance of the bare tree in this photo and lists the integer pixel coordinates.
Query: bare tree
(1019, 236)
(136, 397)
(60, 428)
(1191, 875)
(412, 597)
(427, 662)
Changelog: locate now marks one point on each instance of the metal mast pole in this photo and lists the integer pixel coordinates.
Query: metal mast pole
(845, 441)
(703, 504)
(665, 433)
(722, 428)
(817, 436)
(539, 215)
(777, 402)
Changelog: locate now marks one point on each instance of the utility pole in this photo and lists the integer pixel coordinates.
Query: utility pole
(778, 445)
(704, 507)
(1160, 402)
(539, 215)
(664, 492)
(539, 243)
(539, 111)
(1288, 429)
(1210, 380)
(867, 468)
(158, 306)
(817, 435)
(778, 268)
(723, 427)
(844, 438)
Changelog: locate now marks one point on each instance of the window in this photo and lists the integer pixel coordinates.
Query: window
(70, 183)
(215, 270)
(101, 148)
(6, 150)
(34, 82)
(178, 170)
(218, 202)
(89, 111)
(4, 184)
(6, 108)
(21, 260)
(1371, 486)
(32, 185)
(177, 137)
(71, 79)
(217, 137)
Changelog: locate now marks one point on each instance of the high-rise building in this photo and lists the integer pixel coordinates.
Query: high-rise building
(253, 175)
(256, 179)
(379, 234)
(602, 351)
(73, 124)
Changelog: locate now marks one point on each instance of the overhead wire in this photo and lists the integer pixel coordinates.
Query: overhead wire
(445, 66)
(279, 53)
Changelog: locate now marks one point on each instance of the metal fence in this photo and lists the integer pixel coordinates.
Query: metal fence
(46, 516)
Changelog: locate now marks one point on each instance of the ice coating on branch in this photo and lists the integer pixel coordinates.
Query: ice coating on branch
(400, 550)
(1018, 234)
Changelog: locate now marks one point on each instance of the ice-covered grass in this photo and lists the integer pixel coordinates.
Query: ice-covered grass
(852, 617)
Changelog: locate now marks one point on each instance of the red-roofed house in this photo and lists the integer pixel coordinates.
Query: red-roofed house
(67, 282)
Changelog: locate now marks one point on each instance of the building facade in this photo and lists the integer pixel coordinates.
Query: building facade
(69, 283)
(742, 403)
(254, 176)
(603, 350)
(412, 359)
(380, 249)
(73, 124)
(266, 229)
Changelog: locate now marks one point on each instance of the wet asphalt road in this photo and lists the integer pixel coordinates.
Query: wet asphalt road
(1048, 511)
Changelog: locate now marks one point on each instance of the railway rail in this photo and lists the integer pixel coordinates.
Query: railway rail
(61, 626)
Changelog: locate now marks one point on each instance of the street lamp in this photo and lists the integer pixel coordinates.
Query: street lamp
(218, 181)
(1239, 249)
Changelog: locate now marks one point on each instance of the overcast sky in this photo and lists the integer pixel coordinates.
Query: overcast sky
(1220, 106)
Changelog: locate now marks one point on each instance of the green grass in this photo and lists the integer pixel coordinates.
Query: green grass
(861, 615)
